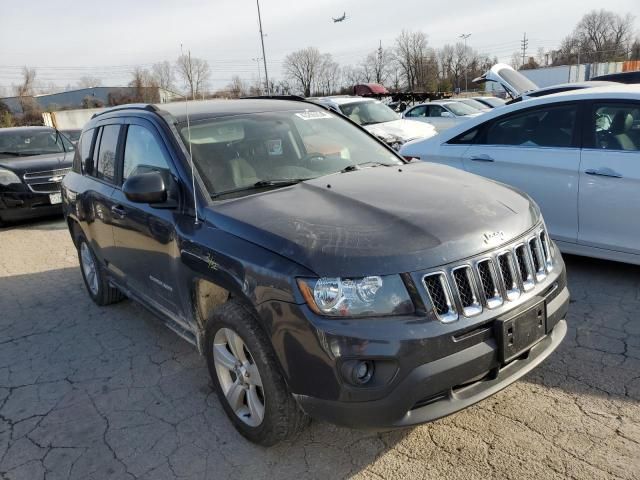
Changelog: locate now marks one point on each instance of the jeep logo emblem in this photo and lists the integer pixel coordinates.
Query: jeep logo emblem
(493, 237)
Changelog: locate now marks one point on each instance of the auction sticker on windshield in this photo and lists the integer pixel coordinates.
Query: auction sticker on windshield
(313, 115)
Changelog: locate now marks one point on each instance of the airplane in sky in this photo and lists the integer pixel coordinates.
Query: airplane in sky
(340, 19)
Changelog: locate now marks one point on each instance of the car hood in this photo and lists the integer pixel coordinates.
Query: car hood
(37, 163)
(403, 129)
(380, 220)
(514, 83)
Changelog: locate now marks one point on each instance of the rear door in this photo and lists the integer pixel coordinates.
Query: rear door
(609, 202)
(145, 238)
(99, 177)
(535, 150)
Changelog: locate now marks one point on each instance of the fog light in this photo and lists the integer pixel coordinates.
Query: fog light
(362, 372)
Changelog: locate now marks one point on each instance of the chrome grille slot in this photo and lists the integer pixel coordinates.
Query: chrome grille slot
(537, 256)
(508, 272)
(525, 269)
(546, 248)
(489, 283)
(441, 297)
(466, 289)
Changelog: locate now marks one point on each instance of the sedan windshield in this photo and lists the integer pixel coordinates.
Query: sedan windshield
(473, 104)
(24, 143)
(460, 109)
(368, 112)
(270, 150)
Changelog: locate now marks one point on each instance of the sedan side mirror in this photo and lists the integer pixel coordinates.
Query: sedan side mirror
(446, 114)
(147, 187)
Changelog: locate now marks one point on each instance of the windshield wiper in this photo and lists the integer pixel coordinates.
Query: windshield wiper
(17, 154)
(261, 184)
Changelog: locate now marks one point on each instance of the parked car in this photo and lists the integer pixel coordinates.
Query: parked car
(519, 87)
(620, 77)
(378, 118)
(470, 102)
(73, 134)
(491, 102)
(314, 283)
(33, 162)
(442, 114)
(576, 153)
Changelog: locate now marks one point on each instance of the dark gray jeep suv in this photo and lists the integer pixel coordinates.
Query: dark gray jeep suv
(318, 272)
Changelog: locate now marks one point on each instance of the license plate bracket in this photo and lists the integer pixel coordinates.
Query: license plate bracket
(55, 198)
(520, 331)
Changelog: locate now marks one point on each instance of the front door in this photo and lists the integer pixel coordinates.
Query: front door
(537, 152)
(609, 203)
(144, 235)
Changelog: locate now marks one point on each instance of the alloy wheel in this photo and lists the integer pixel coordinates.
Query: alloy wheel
(89, 268)
(238, 377)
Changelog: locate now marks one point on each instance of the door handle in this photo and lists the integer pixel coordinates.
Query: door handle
(118, 211)
(482, 158)
(607, 172)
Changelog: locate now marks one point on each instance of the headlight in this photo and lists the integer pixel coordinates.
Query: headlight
(7, 177)
(348, 297)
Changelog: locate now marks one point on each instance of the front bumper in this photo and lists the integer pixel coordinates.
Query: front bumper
(442, 387)
(424, 368)
(23, 205)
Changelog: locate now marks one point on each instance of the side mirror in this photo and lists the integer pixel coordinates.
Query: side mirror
(446, 114)
(147, 187)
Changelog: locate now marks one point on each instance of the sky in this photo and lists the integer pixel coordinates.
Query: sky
(67, 39)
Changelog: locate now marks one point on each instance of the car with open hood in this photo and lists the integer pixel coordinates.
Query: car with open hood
(378, 119)
(318, 272)
(33, 162)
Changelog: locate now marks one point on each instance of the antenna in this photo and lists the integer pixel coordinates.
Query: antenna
(193, 174)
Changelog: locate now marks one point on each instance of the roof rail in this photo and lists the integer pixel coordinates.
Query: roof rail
(297, 98)
(128, 106)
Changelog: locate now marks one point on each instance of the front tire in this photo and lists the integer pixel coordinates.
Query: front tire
(247, 379)
(97, 283)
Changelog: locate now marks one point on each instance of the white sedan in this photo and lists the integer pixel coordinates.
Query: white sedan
(576, 153)
(442, 114)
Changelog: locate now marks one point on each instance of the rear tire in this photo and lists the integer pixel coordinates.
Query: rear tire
(97, 283)
(244, 371)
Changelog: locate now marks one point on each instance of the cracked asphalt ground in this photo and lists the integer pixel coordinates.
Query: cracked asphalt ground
(93, 393)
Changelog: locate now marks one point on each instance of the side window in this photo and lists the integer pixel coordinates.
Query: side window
(417, 112)
(435, 111)
(542, 127)
(84, 150)
(142, 153)
(106, 167)
(467, 138)
(616, 126)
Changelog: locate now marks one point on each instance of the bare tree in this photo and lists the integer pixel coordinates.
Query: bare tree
(237, 88)
(89, 82)
(353, 75)
(328, 75)
(516, 60)
(195, 74)
(163, 74)
(410, 53)
(302, 67)
(145, 86)
(600, 36)
(26, 86)
(377, 65)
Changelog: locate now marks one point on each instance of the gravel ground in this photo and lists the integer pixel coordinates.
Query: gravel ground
(93, 393)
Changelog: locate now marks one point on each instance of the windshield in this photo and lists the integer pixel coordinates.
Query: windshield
(245, 151)
(493, 101)
(470, 102)
(460, 109)
(23, 143)
(517, 80)
(368, 113)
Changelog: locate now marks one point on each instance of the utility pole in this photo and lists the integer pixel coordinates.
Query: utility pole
(264, 57)
(379, 66)
(464, 36)
(525, 43)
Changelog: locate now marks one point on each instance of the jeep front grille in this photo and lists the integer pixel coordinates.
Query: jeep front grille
(496, 278)
(441, 297)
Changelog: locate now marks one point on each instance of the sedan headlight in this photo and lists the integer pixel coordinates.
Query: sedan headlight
(349, 297)
(7, 177)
